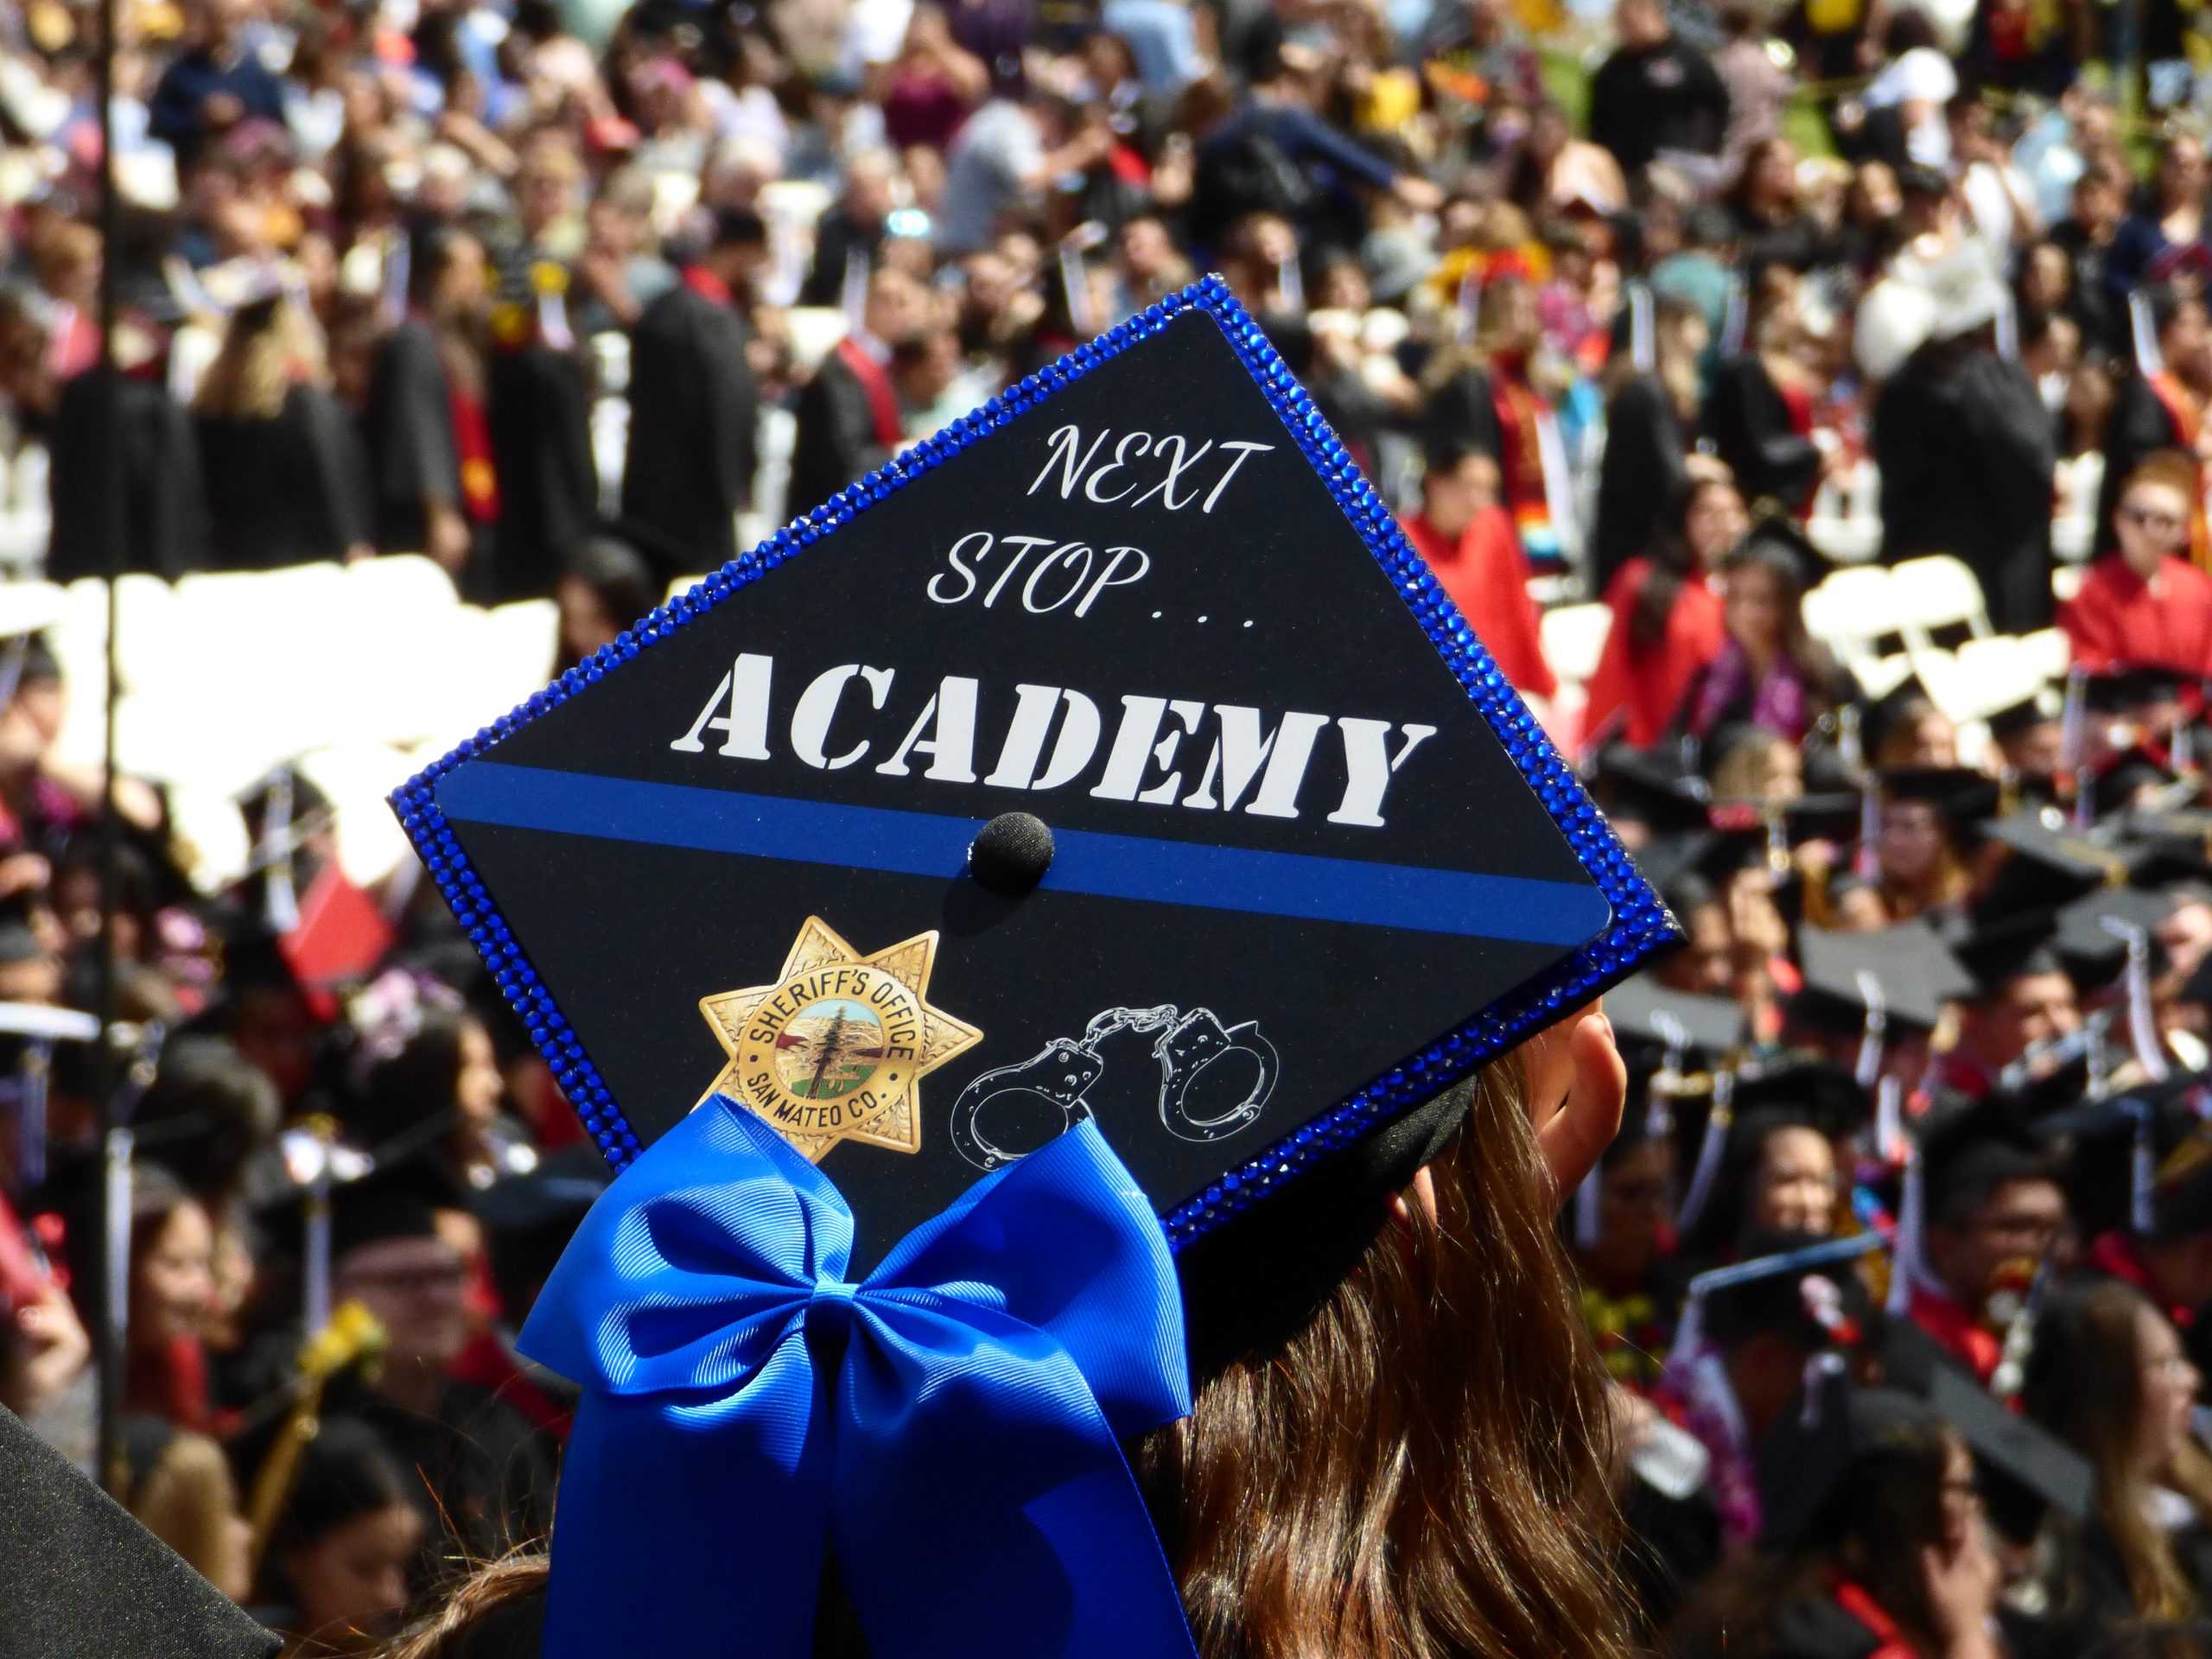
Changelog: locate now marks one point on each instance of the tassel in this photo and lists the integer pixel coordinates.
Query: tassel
(1889, 1120)
(2073, 721)
(2150, 360)
(1869, 1068)
(1866, 859)
(1642, 330)
(1587, 1196)
(2142, 1174)
(2008, 329)
(1707, 1173)
(1075, 289)
(282, 900)
(398, 259)
(2183, 749)
(1904, 1259)
(853, 297)
(552, 329)
(2142, 1026)
(1471, 304)
(1735, 322)
(1290, 285)
(30, 1120)
(315, 1266)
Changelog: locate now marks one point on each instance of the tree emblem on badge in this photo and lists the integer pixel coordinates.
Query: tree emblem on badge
(833, 1051)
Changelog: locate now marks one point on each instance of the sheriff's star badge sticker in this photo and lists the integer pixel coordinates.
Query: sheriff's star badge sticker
(833, 1050)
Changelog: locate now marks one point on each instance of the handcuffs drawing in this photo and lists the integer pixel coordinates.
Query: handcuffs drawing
(1060, 1076)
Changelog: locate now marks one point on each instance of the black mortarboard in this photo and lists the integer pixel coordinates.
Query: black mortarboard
(2051, 863)
(1657, 786)
(1745, 1301)
(1998, 950)
(2092, 936)
(1804, 1089)
(1299, 858)
(2017, 720)
(2138, 1160)
(2122, 777)
(1961, 794)
(1647, 1016)
(528, 1220)
(84, 1580)
(395, 1201)
(1775, 538)
(2024, 1468)
(1970, 1148)
(1835, 1433)
(1904, 971)
(2118, 691)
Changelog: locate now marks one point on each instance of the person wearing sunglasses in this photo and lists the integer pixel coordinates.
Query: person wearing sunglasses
(2144, 605)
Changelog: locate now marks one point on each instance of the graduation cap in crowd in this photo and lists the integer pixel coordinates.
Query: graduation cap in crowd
(1659, 788)
(2139, 1161)
(1959, 793)
(1867, 984)
(85, 1577)
(2049, 862)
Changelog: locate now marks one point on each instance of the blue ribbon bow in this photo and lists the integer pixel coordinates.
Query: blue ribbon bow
(948, 1427)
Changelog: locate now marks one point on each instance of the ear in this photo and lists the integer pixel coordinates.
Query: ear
(1422, 1192)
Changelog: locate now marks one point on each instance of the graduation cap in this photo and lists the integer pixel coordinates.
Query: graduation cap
(1649, 1018)
(1777, 539)
(1899, 976)
(1804, 1088)
(2050, 862)
(2093, 933)
(2022, 1467)
(762, 844)
(1960, 793)
(393, 1201)
(86, 1580)
(2138, 1160)
(1974, 1147)
(1998, 950)
(1836, 1437)
(1658, 787)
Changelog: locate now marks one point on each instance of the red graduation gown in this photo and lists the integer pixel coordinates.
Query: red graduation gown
(1647, 686)
(2118, 621)
(1486, 574)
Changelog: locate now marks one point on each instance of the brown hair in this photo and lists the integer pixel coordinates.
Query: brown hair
(267, 350)
(2168, 469)
(1392, 1479)
(1886, 1507)
(2085, 1384)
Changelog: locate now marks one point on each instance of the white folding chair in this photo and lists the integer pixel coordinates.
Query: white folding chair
(1573, 637)
(1936, 592)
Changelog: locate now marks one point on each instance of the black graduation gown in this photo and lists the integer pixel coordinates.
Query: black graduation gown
(408, 429)
(286, 491)
(1966, 455)
(2140, 425)
(538, 405)
(159, 513)
(836, 442)
(694, 445)
(1749, 423)
(81, 1577)
(1640, 478)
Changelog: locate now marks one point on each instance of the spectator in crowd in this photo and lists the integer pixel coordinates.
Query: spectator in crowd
(1656, 94)
(2146, 605)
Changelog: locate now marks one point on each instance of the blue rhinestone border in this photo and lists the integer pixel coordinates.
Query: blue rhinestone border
(1640, 926)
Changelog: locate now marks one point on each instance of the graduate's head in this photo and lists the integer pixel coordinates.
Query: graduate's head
(1452, 485)
(388, 1253)
(1640, 24)
(344, 1545)
(1991, 1203)
(2108, 1375)
(2151, 517)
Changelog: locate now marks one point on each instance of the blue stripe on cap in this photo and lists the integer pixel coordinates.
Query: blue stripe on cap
(1521, 909)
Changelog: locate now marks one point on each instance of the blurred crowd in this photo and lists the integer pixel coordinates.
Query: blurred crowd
(1805, 400)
